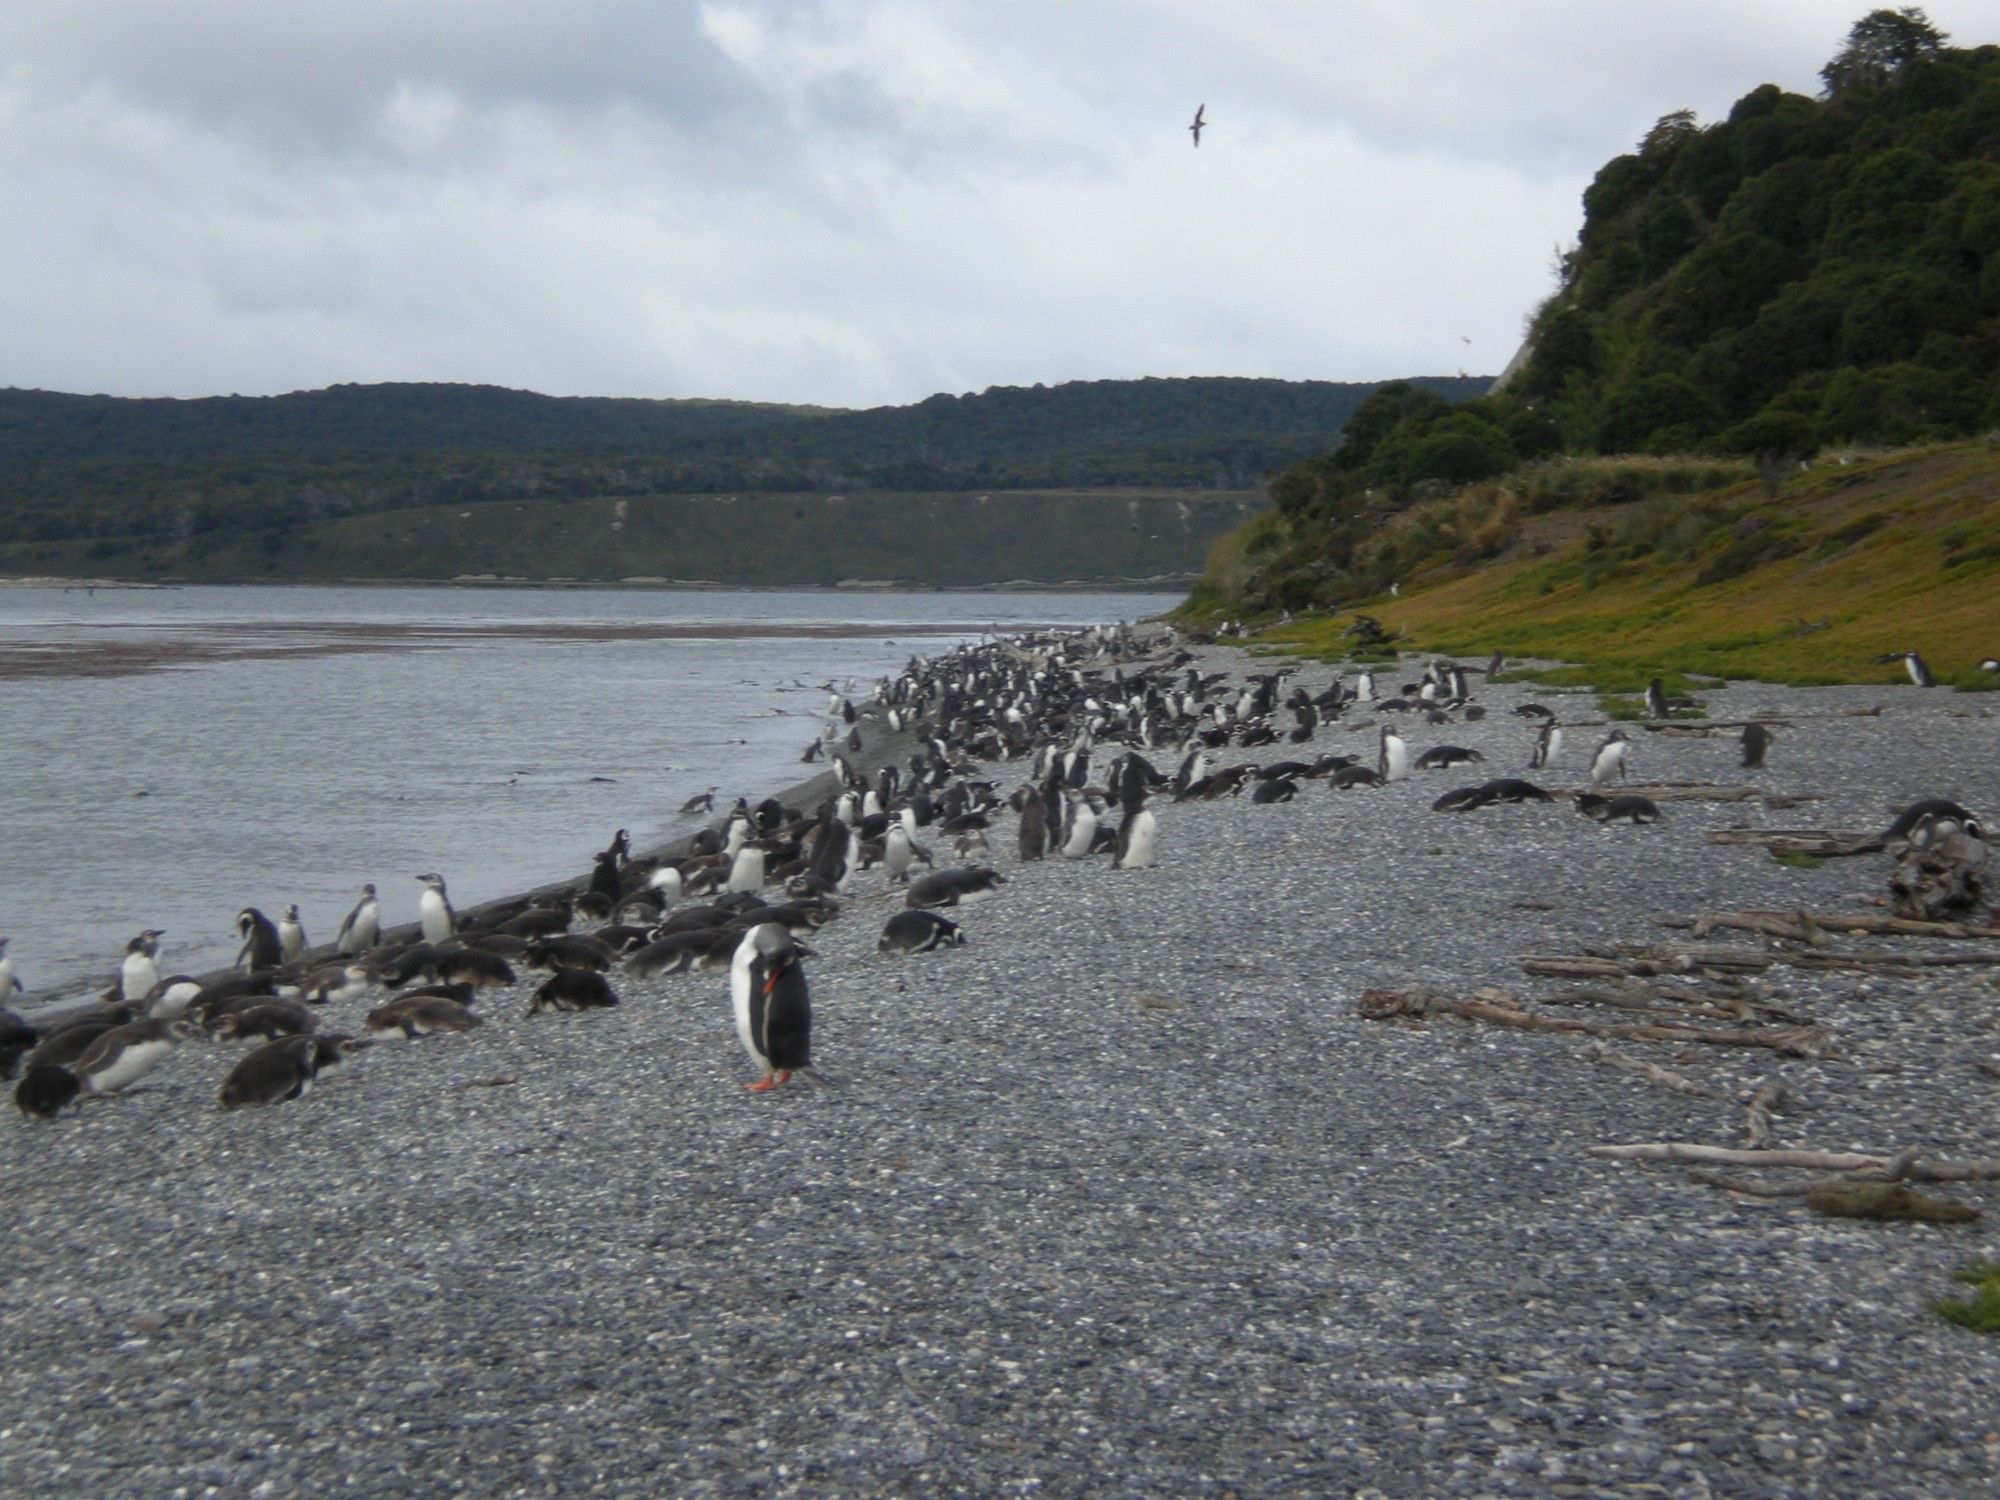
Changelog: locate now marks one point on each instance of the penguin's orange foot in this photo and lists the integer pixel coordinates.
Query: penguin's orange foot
(784, 1077)
(761, 1085)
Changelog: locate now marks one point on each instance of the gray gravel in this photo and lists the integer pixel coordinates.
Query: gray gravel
(1040, 1234)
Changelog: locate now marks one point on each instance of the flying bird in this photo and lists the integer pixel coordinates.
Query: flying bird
(1195, 129)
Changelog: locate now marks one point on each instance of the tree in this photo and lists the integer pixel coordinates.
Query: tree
(1879, 46)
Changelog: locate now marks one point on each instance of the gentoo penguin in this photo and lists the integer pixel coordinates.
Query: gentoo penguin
(434, 913)
(138, 973)
(1939, 816)
(773, 1009)
(291, 935)
(1394, 761)
(1656, 700)
(282, 1069)
(9, 985)
(896, 855)
(1442, 757)
(1610, 758)
(702, 802)
(336, 982)
(261, 948)
(919, 932)
(1512, 789)
(1756, 743)
(124, 1054)
(1548, 745)
(1138, 833)
(576, 989)
(1079, 826)
(1919, 673)
(1462, 799)
(362, 926)
(17, 1038)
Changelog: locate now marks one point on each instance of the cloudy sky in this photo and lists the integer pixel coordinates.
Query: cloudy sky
(846, 202)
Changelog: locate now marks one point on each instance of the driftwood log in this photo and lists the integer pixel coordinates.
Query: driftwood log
(1821, 843)
(1878, 1166)
(1800, 924)
(1422, 1002)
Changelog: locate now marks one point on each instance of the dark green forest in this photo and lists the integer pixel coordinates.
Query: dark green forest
(101, 468)
(1807, 273)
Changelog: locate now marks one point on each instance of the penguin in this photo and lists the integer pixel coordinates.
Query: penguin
(1443, 757)
(138, 973)
(1756, 744)
(44, 1089)
(551, 954)
(896, 855)
(678, 952)
(919, 932)
(10, 986)
(412, 1016)
(292, 943)
(773, 1009)
(1348, 777)
(1462, 799)
(261, 946)
(270, 1021)
(1990, 664)
(1627, 809)
(1656, 700)
(1079, 826)
(1919, 673)
(1364, 688)
(434, 913)
(959, 887)
(336, 982)
(1394, 761)
(474, 966)
(1493, 666)
(1939, 815)
(1611, 757)
(362, 926)
(124, 1054)
(1276, 789)
(702, 802)
(1512, 789)
(1548, 745)
(604, 878)
(1138, 837)
(576, 989)
(282, 1069)
(668, 881)
(746, 870)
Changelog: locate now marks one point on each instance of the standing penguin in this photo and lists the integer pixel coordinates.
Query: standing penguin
(1656, 700)
(261, 948)
(896, 855)
(291, 935)
(138, 972)
(1548, 745)
(434, 911)
(1034, 825)
(1079, 826)
(1756, 744)
(1394, 760)
(1138, 833)
(1919, 673)
(773, 1008)
(362, 926)
(1611, 758)
(9, 985)
(746, 871)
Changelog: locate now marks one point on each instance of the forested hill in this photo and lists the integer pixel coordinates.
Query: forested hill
(1808, 271)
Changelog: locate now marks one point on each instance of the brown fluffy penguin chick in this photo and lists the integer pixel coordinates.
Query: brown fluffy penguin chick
(574, 989)
(283, 1069)
(420, 1015)
(269, 1021)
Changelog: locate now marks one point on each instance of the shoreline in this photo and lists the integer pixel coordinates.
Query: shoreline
(1123, 1195)
(1164, 582)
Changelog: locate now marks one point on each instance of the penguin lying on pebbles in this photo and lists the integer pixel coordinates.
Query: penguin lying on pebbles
(270, 1021)
(574, 989)
(678, 952)
(412, 1016)
(1440, 757)
(474, 966)
(773, 1009)
(959, 887)
(1940, 815)
(17, 1039)
(282, 1069)
(919, 932)
(125, 1054)
(44, 1089)
(1628, 809)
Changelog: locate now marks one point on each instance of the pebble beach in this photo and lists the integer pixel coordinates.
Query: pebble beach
(1120, 1198)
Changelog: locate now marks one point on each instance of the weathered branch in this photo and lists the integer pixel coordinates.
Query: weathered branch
(1767, 1101)
(1381, 1005)
(1819, 842)
(1784, 924)
(1876, 1165)
(1680, 1083)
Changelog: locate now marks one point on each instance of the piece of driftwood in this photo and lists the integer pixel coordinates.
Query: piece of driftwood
(1768, 1100)
(1821, 843)
(1645, 963)
(1915, 1168)
(1886, 1202)
(1877, 962)
(1666, 1078)
(1942, 882)
(1672, 791)
(1758, 1187)
(1798, 926)
(1874, 923)
(1683, 1004)
(1422, 1001)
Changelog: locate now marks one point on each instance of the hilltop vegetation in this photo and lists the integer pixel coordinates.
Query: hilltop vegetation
(192, 478)
(1810, 273)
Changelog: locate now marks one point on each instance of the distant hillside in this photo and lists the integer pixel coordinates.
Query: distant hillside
(950, 540)
(101, 470)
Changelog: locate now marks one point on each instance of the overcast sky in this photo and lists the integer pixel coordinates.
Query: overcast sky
(846, 202)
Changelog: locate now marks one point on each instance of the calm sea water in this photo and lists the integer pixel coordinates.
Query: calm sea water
(172, 756)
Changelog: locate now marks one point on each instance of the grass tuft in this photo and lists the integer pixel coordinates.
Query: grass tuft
(1981, 1311)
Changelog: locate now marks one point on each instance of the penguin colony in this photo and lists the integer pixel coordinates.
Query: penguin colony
(1081, 738)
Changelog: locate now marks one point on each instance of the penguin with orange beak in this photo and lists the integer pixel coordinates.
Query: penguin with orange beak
(773, 1009)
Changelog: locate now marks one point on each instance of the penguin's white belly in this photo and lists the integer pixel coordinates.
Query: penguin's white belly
(134, 1062)
(137, 976)
(435, 917)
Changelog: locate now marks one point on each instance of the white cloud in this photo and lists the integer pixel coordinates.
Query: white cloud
(843, 201)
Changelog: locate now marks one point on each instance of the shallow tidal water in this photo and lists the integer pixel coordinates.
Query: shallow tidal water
(171, 756)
